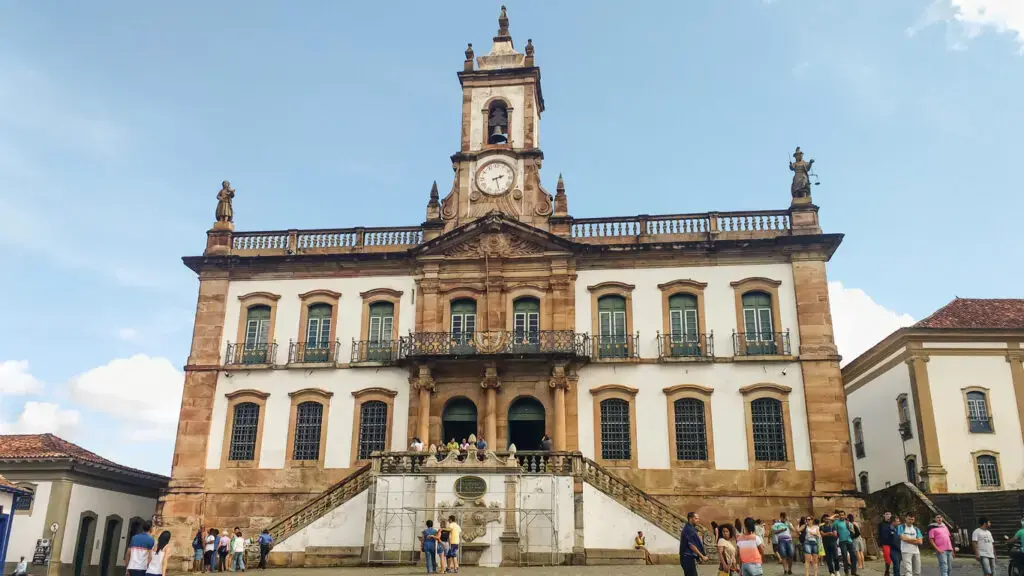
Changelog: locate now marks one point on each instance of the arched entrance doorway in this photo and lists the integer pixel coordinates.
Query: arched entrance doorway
(458, 420)
(111, 540)
(526, 423)
(83, 547)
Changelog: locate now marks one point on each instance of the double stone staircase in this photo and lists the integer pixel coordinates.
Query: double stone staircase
(574, 464)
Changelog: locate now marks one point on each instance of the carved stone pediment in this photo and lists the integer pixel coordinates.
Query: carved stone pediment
(494, 236)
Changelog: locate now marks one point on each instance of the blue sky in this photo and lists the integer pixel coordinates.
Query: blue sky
(118, 120)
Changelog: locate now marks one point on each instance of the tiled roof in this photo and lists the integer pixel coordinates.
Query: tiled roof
(978, 314)
(48, 446)
(5, 483)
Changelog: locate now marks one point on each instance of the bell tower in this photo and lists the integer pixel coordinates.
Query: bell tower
(497, 167)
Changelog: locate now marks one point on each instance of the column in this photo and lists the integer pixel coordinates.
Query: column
(559, 383)
(932, 471)
(490, 384)
(424, 383)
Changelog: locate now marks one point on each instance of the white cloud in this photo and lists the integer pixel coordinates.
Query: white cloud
(15, 379)
(128, 334)
(42, 417)
(973, 18)
(141, 391)
(859, 322)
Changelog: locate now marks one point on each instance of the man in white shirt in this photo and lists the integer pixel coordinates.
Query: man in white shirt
(984, 546)
(910, 542)
(22, 568)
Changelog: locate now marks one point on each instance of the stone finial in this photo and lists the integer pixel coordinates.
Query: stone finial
(529, 53)
(800, 189)
(432, 449)
(225, 214)
(434, 205)
(468, 64)
(561, 201)
(512, 450)
(471, 439)
(503, 23)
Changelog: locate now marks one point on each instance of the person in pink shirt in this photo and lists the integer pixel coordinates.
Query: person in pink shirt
(939, 538)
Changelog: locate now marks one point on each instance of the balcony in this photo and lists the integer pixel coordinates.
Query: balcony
(686, 346)
(247, 354)
(858, 449)
(495, 343)
(906, 433)
(761, 343)
(981, 425)
(616, 347)
(374, 352)
(313, 352)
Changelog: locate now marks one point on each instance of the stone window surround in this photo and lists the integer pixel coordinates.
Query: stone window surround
(235, 398)
(904, 397)
(682, 286)
(311, 298)
(322, 397)
(612, 288)
(863, 478)
(29, 487)
(608, 392)
(485, 111)
(988, 409)
(757, 284)
(457, 294)
(697, 392)
(778, 392)
(257, 299)
(371, 297)
(527, 291)
(977, 473)
(908, 459)
(384, 395)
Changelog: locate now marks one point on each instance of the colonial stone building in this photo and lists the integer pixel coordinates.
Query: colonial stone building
(688, 357)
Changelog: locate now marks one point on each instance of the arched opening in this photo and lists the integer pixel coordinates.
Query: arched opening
(497, 123)
(458, 420)
(111, 540)
(83, 546)
(526, 425)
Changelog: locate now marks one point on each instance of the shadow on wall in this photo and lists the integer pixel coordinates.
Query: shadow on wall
(900, 499)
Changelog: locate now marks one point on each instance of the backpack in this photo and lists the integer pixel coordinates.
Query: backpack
(197, 543)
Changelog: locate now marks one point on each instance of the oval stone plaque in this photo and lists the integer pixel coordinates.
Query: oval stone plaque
(470, 487)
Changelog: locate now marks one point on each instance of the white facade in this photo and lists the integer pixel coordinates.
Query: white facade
(103, 503)
(609, 525)
(29, 527)
(951, 369)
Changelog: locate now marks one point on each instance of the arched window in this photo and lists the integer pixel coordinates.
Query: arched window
(526, 323)
(497, 123)
(685, 334)
(257, 335)
(758, 334)
(858, 437)
(769, 430)
(988, 471)
(381, 331)
(611, 318)
(308, 421)
(691, 430)
(615, 434)
(245, 423)
(864, 487)
(912, 470)
(978, 417)
(318, 333)
(463, 322)
(373, 428)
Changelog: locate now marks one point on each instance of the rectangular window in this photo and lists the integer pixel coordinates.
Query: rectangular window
(527, 327)
(256, 332)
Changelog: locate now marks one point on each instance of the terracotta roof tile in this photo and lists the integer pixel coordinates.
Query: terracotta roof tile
(978, 314)
(48, 446)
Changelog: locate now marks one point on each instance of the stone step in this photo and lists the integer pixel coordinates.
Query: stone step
(614, 557)
(332, 556)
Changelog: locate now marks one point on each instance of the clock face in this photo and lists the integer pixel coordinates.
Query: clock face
(495, 178)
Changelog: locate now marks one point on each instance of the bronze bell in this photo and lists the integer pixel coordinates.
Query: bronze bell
(498, 136)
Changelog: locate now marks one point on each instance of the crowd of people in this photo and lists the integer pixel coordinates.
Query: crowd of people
(440, 546)
(212, 550)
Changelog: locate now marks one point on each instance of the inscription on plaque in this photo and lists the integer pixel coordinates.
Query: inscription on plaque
(470, 487)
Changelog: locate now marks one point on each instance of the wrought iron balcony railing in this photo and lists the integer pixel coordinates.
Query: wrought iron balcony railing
(906, 432)
(761, 343)
(495, 342)
(245, 353)
(858, 449)
(982, 425)
(313, 352)
(686, 346)
(375, 351)
(617, 346)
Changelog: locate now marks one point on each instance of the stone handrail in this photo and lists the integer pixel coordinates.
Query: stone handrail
(682, 227)
(633, 498)
(316, 508)
(326, 241)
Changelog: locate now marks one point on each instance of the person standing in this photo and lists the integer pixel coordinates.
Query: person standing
(750, 548)
(430, 546)
(783, 530)
(238, 551)
(197, 551)
(223, 544)
(942, 543)
(22, 568)
(454, 538)
(910, 547)
(895, 544)
(811, 536)
(726, 551)
(847, 552)
(140, 549)
(210, 551)
(691, 549)
(829, 541)
(885, 533)
(858, 540)
(984, 546)
(158, 560)
(442, 540)
(265, 540)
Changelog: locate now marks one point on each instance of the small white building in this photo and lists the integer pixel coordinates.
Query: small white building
(941, 403)
(80, 506)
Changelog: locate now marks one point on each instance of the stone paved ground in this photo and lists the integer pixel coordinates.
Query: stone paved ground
(961, 567)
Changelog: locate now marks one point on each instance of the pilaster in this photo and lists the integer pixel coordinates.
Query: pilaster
(932, 472)
(57, 513)
(1015, 357)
